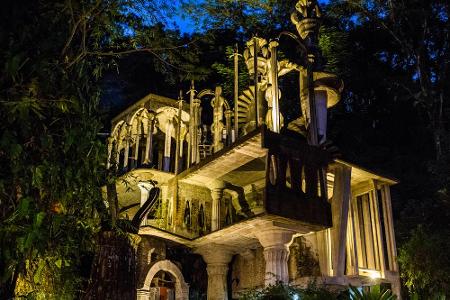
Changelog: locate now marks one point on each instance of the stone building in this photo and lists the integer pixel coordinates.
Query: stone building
(260, 201)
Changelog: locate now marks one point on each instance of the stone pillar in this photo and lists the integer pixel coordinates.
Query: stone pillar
(275, 242)
(216, 188)
(217, 258)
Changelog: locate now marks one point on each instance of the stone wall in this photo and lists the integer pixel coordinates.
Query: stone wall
(247, 271)
(149, 251)
(303, 259)
(195, 196)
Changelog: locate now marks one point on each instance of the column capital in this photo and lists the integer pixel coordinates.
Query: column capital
(216, 254)
(275, 242)
(217, 258)
(274, 237)
(215, 185)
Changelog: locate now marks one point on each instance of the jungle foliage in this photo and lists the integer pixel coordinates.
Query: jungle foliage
(54, 56)
(67, 66)
(282, 291)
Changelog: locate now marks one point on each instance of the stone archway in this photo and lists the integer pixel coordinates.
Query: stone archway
(181, 287)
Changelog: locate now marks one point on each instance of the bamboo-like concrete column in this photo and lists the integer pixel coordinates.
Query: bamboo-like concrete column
(192, 129)
(195, 140)
(127, 146)
(228, 114)
(178, 134)
(340, 204)
(378, 232)
(236, 91)
(167, 145)
(137, 141)
(255, 80)
(275, 92)
(389, 225)
(149, 142)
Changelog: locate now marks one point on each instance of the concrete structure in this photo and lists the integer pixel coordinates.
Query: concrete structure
(259, 200)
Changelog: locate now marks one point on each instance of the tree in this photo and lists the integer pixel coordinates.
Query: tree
(425, 263)
(53, 58)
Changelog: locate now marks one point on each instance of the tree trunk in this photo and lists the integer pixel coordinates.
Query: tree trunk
(113, 202)
(113, 275)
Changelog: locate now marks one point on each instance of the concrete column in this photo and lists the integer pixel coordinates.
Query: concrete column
(228, 115)
(167, 146)
(340, 204)
(275, 91)
(148, 157)
(389, 226)
(137, 142)
(127, 151)
(216, 188)
(378, 233)
(195, 155)
(216, 195)
(275, 242)
(191, 122)
(217, 258)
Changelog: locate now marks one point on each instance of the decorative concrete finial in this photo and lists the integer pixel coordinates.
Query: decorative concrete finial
(309, 24)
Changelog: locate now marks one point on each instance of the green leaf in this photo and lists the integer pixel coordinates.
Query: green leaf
(38, 219)
(28, 241)
(24, 206)
(38, 176)
(38, 274)
(58, 263)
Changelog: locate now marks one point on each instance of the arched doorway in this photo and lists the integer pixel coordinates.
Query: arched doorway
(167, 275)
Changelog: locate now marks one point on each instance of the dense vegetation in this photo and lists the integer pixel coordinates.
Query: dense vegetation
(69, 65)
